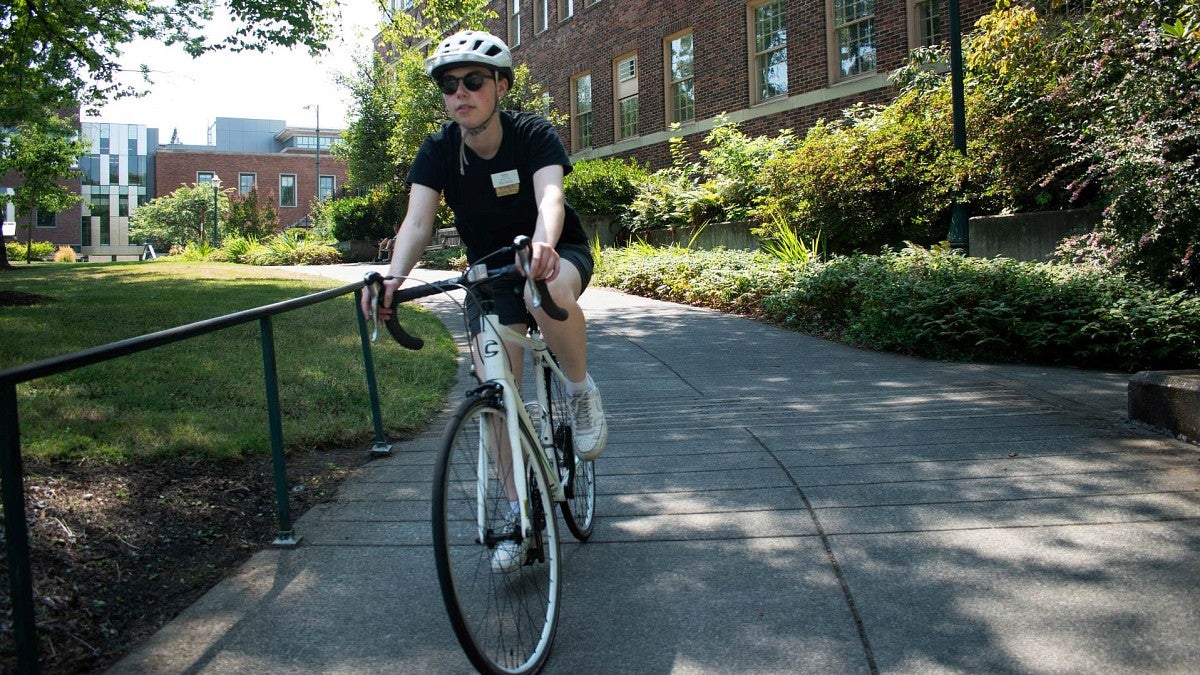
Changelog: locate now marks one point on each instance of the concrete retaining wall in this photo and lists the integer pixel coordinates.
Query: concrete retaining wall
(1168, 399)
(1027, 236)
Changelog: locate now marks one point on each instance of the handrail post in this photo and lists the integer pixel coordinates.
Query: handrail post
(287, 535)
(381, 447)
(16, 533)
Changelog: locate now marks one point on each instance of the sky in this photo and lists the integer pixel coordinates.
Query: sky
(189, 94)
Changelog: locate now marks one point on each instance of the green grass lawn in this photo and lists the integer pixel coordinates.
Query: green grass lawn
(205, 396)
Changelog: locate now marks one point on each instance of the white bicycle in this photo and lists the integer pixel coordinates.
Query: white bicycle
(500, 575)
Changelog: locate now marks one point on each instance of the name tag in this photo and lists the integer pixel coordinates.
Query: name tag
(506, 183)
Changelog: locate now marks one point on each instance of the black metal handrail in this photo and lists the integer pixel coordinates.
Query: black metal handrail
(12, 493)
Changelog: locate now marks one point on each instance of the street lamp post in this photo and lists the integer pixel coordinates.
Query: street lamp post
(958, 235)
(316, 107)
(216, 185)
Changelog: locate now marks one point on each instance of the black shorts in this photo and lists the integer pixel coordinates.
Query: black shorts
(509, 293)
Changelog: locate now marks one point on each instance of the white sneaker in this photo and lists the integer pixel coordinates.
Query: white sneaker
(508, 556)
(590, 429)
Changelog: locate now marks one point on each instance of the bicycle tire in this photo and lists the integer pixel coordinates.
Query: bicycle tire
(505, 622)
(577, 475)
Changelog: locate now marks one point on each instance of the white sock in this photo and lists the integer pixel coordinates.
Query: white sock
(582, 387)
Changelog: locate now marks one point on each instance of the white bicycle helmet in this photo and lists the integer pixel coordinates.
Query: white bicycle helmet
(471, 47)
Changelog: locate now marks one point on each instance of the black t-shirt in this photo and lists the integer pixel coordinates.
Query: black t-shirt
(491, 204)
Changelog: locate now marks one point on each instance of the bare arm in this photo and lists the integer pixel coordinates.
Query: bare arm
(548, 192)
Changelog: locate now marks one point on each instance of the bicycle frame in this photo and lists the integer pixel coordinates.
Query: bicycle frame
(497, 372)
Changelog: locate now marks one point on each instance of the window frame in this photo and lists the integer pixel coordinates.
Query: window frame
(834, 43)
(541, 16)
(669, 81)
(578, 139)
(514, 24)
(566, 10)
(292, 188)
(322, 195)
(620, 84)
(917, 23)
(755, 80)
(253, 182)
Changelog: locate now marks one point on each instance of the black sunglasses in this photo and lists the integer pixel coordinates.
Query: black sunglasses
(473, 81)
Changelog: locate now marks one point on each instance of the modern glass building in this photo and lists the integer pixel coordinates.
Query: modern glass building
(117, 178)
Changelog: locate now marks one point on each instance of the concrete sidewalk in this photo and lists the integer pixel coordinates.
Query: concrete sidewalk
(773, 503)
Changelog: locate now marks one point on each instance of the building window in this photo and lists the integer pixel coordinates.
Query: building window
(204, 177)
(104, 139)
(681, 83)
(626, 77)
(90, 168)
(581, 111)
(287, 189)
(925, 22)
(114, 169)
(541, 15)
(566, 9)
(246, 182)
(854, 37)
(47, 218)
(137, 170)
(768, 30)
(514, 23)
(325, 189)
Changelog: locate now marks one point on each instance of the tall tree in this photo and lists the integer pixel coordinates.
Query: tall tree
(179, 218)
(44, 151)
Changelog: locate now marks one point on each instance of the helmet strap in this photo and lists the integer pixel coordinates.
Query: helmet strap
(476, 130)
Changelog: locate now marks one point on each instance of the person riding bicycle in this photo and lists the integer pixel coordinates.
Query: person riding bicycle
(501, 173)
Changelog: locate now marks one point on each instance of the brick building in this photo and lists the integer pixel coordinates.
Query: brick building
(127, 167)
(627, 70)
(245, 153)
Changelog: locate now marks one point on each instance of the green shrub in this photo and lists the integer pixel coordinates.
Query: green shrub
(932, 303)
(1136, 133)
(603, 186)
(723, 186)
(878, 177)
(371, 217)
(733, 281)
(941, 305)
(41, 250)
(447, 258)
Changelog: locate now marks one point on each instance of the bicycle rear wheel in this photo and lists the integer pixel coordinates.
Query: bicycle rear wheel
(577, 475)
(505, 621)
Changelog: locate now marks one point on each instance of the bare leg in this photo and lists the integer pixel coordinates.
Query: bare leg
(567, 339)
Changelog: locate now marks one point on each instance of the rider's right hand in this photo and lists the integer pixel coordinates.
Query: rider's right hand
(385, 306)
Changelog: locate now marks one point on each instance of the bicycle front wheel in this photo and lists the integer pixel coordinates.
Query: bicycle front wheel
(504, 611)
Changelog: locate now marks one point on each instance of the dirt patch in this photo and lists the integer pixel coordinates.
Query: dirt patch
(22, 299)
(118, 551)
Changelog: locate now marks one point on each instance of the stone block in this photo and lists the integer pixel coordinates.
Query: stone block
(1169, 399)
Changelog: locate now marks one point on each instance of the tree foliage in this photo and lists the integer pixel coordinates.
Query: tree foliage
(61, 55)
(252, 215)
(43, 151)
(180, 218)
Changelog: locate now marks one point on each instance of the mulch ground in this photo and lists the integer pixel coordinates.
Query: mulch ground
(118, 551)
